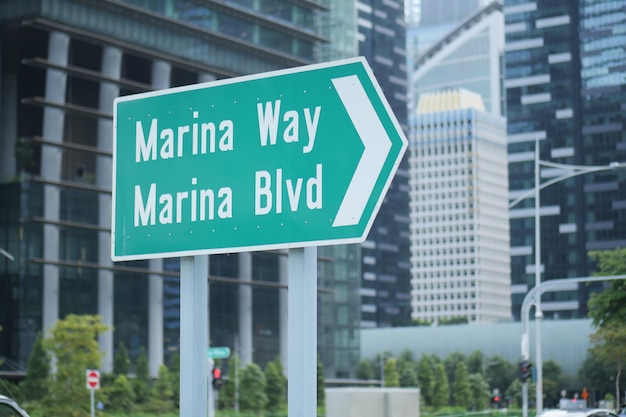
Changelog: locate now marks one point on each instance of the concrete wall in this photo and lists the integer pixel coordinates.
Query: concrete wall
(564, 341)
(372, 402)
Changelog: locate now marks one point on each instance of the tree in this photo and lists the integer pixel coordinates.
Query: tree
(552, 370)
(392, 378)
(461, 391)
(226, 398)
(607, 309)
(426, 378)
(450, 363)
(479, 391)
(121, 363)
(175, 379)
(441, 388)
(366, 370)
(499, 372)
(162, 396)
(35, 385)
(408, 377)
(609, 305)
(553, 383)
(595, 373)
(453, 320)
(475, 363)
(514, 392)
(406, 358)
(321, 384)
(142, 383)
(378, 364)
(608, 344)
(406, 366)
(74, 346)
(121, 396)
(276, 387)
(252, 389)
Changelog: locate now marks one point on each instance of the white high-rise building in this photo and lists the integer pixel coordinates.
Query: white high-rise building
(460, 262)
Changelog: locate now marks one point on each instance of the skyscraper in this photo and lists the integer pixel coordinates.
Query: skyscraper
(385, 267)
(565, 81)
(459, 211)
(469, 55)
(431, 20)
(61, 67)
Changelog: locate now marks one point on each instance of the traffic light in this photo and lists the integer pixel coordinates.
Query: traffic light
(217, 378)
(496, 399)
(525, 370)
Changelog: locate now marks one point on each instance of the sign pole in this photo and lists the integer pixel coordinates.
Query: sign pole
(194, 336)
(302, 333)
(93, 400)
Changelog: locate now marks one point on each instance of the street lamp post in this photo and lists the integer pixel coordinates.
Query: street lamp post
(538, 312)
(568, 171)
(532, 298)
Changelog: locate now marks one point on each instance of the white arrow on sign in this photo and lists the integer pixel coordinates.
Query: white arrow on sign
(377, 146)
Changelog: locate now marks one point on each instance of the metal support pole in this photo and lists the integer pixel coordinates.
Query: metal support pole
(92, 401)
(538, 313)
(539, 359)
(525, 356)
(525, 399)
(194, 336)
(302, 328)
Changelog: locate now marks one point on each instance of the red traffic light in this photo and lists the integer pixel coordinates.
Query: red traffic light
(217, 378)
(525, 370)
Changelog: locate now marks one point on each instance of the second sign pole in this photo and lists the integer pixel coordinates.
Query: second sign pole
(302, 333)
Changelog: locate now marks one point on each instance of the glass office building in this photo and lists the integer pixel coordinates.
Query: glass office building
(62, 64)
(469, 56)
(385, 288)
(429, 21)
(565, 84)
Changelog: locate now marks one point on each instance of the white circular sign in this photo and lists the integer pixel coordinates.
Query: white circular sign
(93, 379)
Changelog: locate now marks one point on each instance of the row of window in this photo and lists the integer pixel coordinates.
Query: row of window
(431, 262)
(442, 308)
(445, 297)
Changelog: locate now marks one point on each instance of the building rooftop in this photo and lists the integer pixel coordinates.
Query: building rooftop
(446, 100)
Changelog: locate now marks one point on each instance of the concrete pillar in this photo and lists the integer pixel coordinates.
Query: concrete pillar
(111, 67)
(206, 77)
(51, 159)
(283, 299)
(245, 308)
(161, 71)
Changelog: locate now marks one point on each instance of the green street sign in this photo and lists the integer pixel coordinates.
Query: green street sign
(218, 352)
(291, 158)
